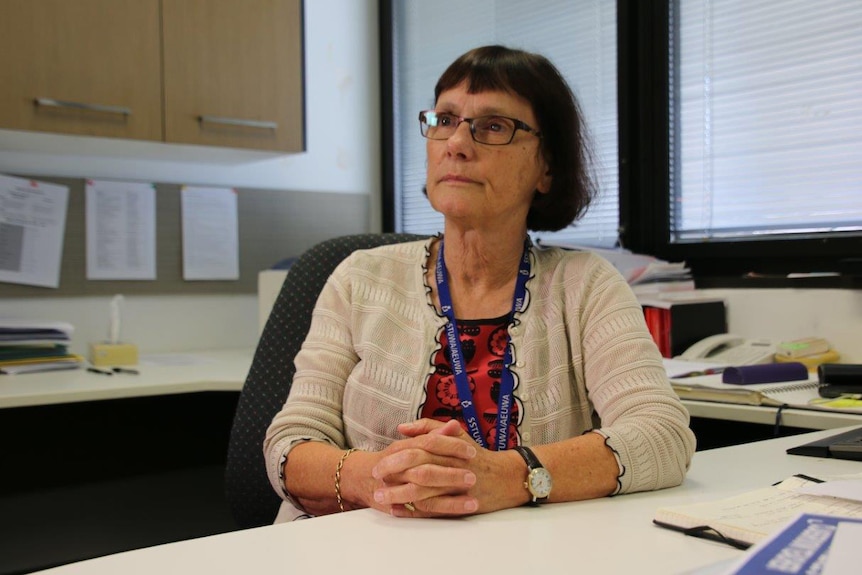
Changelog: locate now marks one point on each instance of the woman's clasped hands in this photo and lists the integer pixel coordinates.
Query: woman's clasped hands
(437, 471)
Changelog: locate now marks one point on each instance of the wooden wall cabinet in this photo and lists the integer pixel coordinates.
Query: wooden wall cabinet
(233, 73)
(94, 64)
(205, 72)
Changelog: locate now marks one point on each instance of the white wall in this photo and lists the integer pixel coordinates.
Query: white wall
(156, 324)
(785, 314)
(342, 155)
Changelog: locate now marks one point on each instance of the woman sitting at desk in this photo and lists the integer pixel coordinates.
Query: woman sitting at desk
(431, 366)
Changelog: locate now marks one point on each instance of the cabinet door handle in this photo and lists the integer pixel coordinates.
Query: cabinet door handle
(83, 106)
(238, 122)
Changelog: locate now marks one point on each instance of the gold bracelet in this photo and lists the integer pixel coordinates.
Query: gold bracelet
(344, 456)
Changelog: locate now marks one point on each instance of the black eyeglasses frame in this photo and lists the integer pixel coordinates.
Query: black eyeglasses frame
(471, 122)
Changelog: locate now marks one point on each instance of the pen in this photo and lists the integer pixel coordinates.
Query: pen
(710, 371)
(124, 370)
(100, 371)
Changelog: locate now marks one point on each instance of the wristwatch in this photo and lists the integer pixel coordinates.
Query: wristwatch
(539, 481)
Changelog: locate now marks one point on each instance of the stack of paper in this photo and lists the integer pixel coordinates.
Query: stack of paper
(646, 274)
(28, 346)
(660, 277)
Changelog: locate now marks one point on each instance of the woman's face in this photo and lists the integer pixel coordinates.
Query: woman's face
(477, 184)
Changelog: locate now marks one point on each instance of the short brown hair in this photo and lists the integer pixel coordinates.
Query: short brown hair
(563, 133)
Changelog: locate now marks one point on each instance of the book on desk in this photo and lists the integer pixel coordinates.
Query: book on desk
(745, 520)
(799, 394)
(703, 381)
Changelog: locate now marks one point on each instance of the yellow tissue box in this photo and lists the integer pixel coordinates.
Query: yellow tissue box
(109, 354)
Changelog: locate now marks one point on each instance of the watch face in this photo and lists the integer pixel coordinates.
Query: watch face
(539, 483)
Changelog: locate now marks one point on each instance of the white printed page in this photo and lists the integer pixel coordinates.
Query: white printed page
(121, 230)
(210, 234)
(32, 225)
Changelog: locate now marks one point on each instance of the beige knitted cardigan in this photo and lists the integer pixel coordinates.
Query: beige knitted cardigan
(583, 360)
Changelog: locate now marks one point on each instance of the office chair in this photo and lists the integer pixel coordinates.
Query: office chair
(250, 496)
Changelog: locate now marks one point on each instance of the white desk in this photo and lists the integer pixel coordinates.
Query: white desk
(221, 370)
(226, 370)
(790, 417)
(604, 536)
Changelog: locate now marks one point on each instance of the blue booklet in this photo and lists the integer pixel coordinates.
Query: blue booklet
(801, 547)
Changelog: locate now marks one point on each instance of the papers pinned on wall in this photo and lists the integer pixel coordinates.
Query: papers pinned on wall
(121, 230)
(210, 233)
(32, 224)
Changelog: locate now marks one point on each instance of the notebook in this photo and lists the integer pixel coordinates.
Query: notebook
(748, 518)
(703, 382)
(846, 445)
(710, 388)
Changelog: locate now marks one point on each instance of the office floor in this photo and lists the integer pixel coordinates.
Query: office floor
(49, 527)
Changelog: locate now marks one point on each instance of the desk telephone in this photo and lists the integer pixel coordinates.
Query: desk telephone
(732, 350)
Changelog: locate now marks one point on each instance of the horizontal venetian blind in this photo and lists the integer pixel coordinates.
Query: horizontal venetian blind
(770, 119)
(578, 37)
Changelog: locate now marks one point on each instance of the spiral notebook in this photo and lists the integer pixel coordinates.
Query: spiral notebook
(709, 387)
(794, 394)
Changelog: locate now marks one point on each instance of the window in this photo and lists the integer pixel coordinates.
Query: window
(735, 140)
(770, 119)
(578, 37)
(760, 119)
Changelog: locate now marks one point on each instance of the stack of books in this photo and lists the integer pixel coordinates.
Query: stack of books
(30, 346)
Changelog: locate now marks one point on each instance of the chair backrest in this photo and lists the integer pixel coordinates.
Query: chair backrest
(249, 494)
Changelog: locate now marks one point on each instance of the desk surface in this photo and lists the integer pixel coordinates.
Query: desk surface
(790, 417)
(610, 535)
(221, 370)
(226, 370)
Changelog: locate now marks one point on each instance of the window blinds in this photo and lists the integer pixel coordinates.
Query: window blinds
(579, 37)
(770, 119)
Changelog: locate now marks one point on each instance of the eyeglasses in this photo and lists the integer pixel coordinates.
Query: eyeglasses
(491, 130)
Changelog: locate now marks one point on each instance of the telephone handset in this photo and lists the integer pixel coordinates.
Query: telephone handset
(731, 349)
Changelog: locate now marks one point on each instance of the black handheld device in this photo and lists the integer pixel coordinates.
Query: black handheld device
(840, 379)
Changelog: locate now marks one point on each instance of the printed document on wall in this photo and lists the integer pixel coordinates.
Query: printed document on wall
(210, 233)
(32, 224)
(121, 230)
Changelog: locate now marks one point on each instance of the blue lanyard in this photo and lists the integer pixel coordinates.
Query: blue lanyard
(459, 371)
